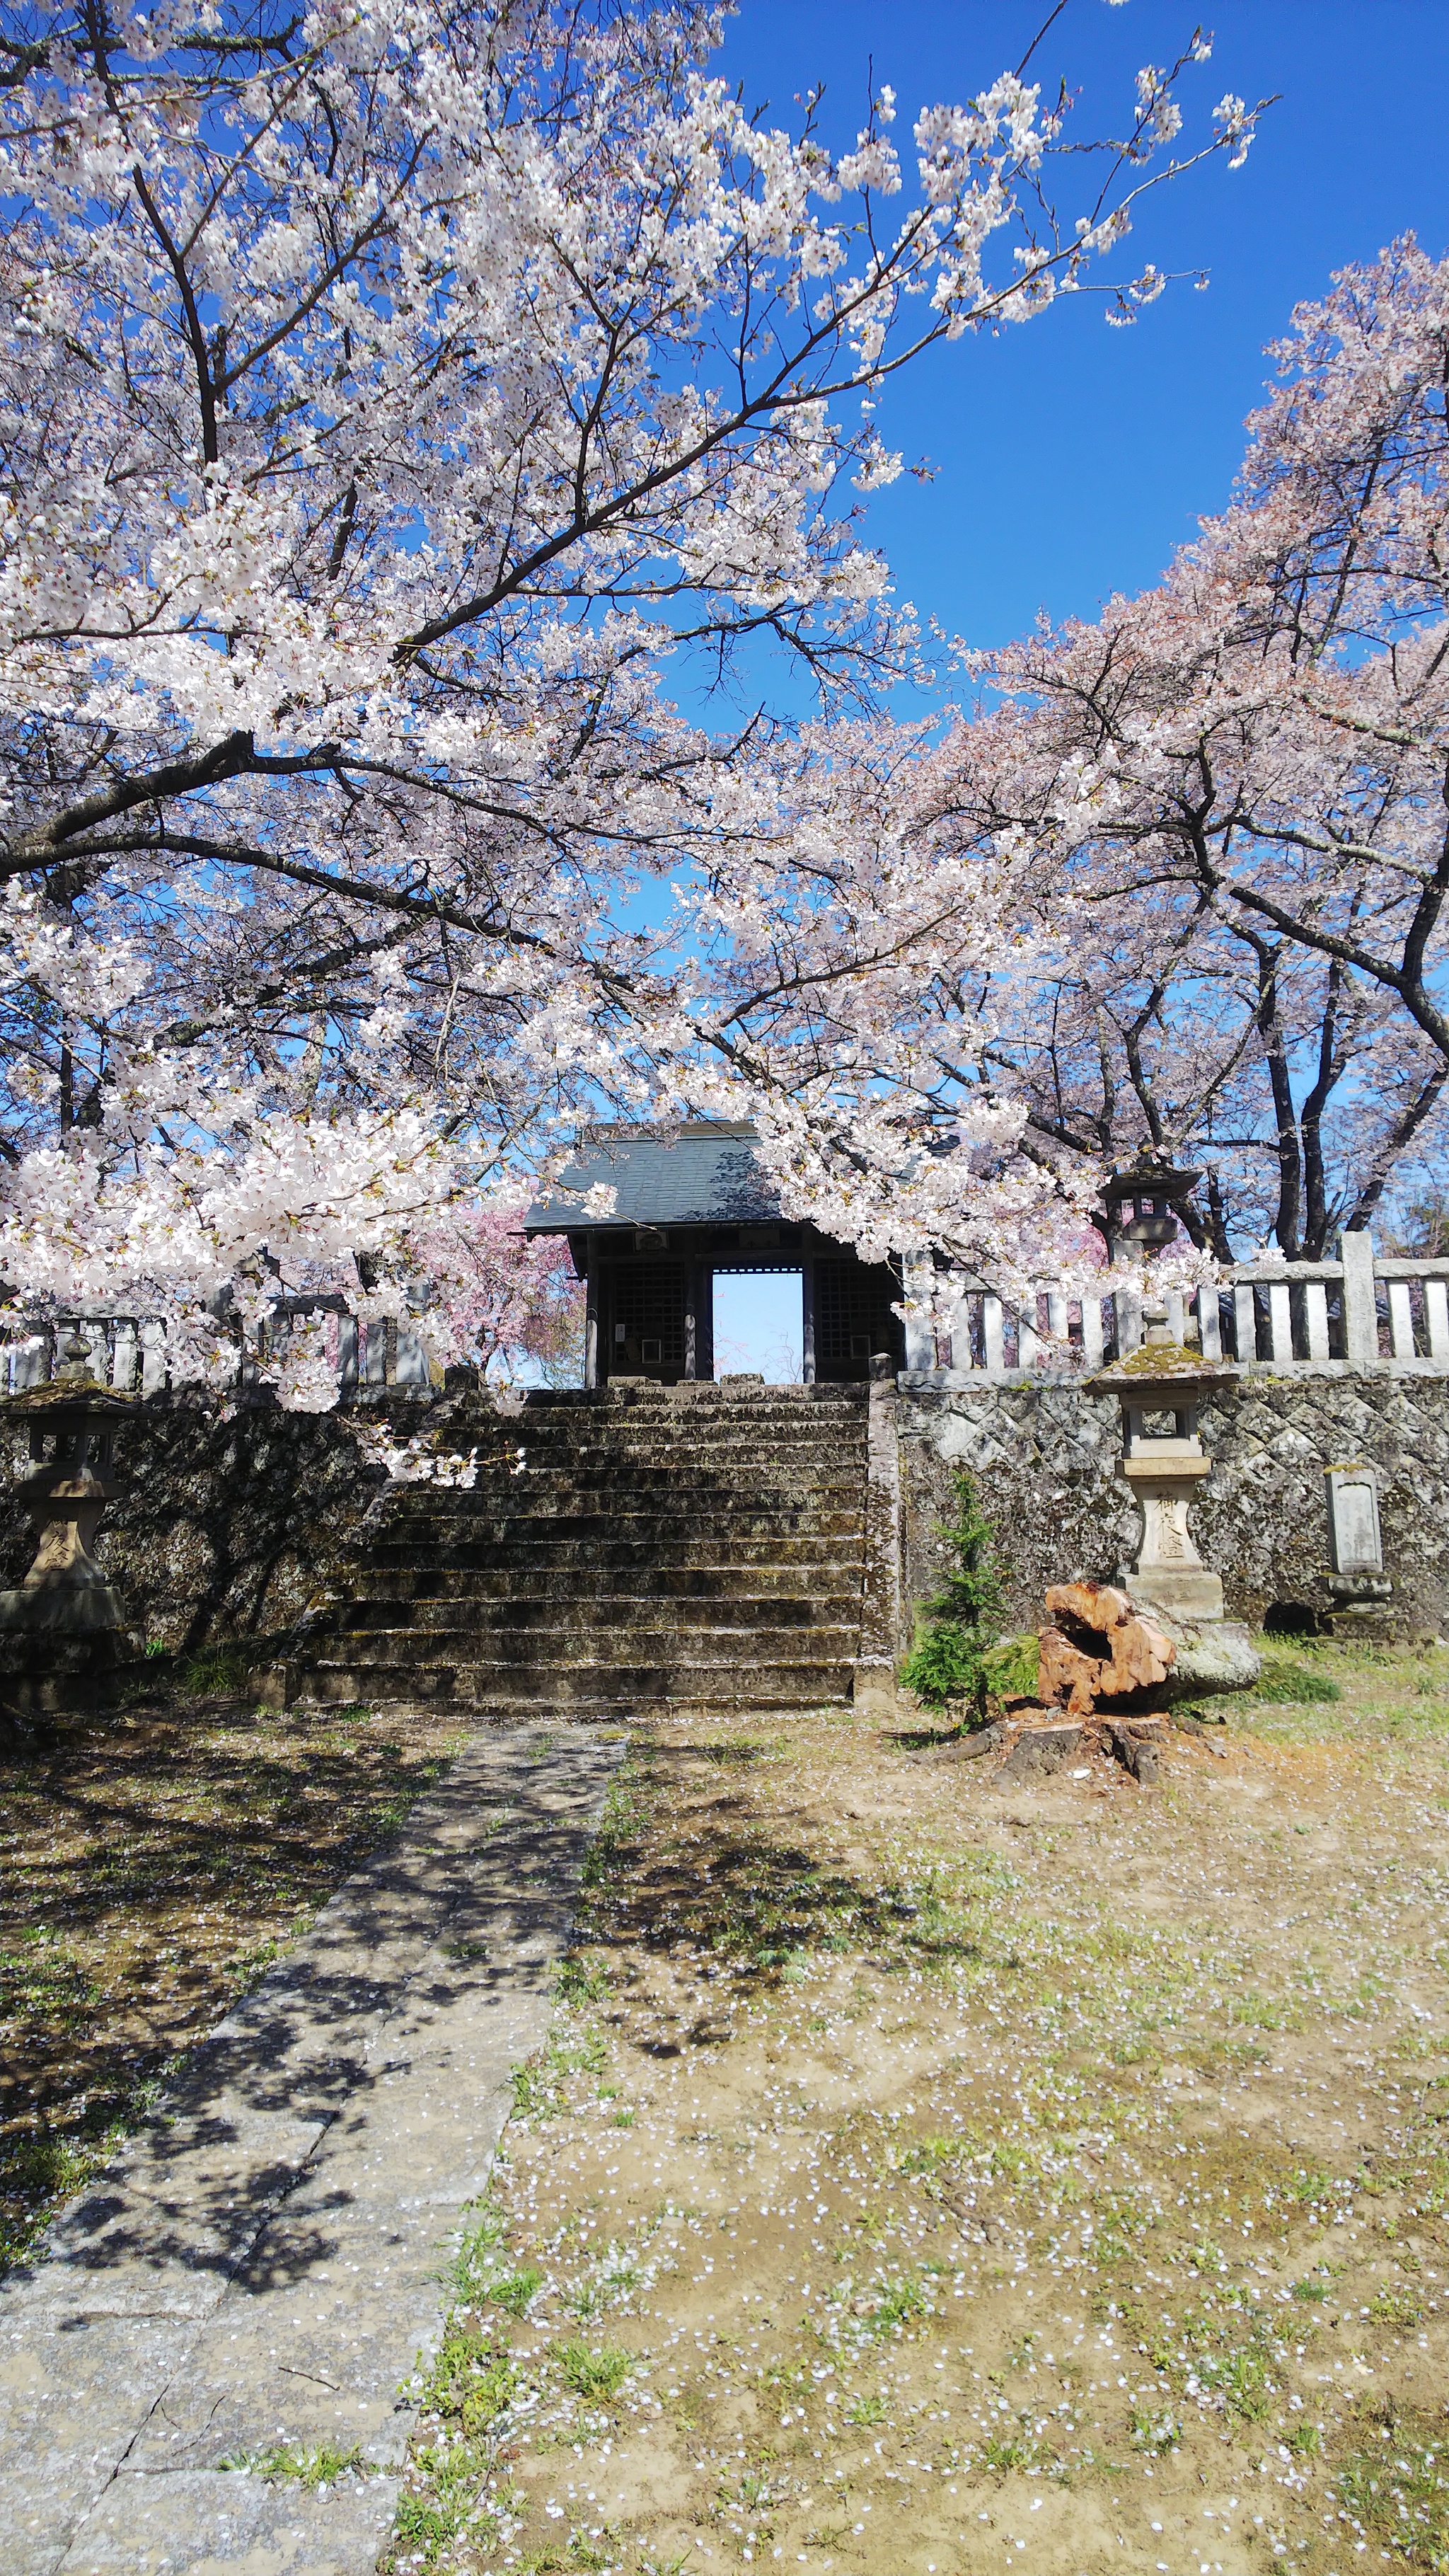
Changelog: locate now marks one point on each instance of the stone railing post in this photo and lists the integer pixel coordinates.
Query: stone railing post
(918, 1277)
(1360, 1305)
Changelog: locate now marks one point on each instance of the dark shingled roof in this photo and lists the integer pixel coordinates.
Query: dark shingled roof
(699, 1174)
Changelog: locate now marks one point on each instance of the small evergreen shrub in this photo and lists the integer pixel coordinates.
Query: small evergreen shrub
(1011, 1668)
(945, 1663)
(948, 1659)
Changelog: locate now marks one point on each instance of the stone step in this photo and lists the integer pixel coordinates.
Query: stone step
(580, 1497)
(677, 1421)
(562, 1548)
(738, 1614)
(537, 1491)
(605, 1685)
(665, 1444)
(702, 1547)
(665, 1477)
(607, 1430)
(707, 1395)
(775, 1464)
(724, 1523)
(657, 1439)
(835, 1577)
(409, 1647)
(697, 1420)
(701, 1421)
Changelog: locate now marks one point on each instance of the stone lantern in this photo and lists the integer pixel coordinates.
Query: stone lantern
(1145, 1203)
(62, 1631)
(1160, 1387)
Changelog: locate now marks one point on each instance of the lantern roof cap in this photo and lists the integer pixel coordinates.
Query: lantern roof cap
(71, 1395)
(1171, 1366)
(1151, 1175)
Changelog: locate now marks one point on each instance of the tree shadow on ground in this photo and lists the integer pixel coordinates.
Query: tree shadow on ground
(249, 2169)
(152, 1869)
(692, 1868)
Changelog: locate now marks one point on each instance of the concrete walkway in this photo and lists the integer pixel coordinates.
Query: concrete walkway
(263, 2263)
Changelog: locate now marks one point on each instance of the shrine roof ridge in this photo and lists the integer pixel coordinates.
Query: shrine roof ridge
(699, 1172)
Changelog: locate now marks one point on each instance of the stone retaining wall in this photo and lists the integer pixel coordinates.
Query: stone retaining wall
(1048, 1458)
(222, 1529)
(226, 1529)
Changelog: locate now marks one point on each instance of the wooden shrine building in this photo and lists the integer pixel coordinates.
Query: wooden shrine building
(693, 1202)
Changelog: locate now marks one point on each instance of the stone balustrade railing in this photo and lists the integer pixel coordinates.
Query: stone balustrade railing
(128, 1353)
(1363, 1311)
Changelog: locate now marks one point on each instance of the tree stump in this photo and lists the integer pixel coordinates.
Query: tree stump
(1101, 1660)
(1099, 1647)
(1040, 1749)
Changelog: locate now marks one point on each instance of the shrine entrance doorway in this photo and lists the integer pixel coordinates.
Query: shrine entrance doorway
(758, 1321)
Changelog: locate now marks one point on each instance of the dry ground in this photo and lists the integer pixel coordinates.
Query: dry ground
(926, 2180)
(151, 1867)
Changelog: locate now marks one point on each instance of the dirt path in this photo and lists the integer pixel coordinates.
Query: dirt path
(924, 2179)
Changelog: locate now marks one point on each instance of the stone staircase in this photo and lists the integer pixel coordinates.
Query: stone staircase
(697, 1545)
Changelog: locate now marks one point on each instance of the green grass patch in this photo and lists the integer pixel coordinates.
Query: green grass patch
(577, 1984)
(539, 2084)
(595, 2372)
(1285, 1685)
(1397, 2306)
(474, 2264)
(221, 1669)
(320, 2467)
(890, 2308)
(516, 2291)
(41, 1981)
(623, 1821)
(1155, 2429)
(866, 2410)
(1311, 2292)
(472, 2381)
(1396, 2489)
(1223, 2355)
(930, 2156)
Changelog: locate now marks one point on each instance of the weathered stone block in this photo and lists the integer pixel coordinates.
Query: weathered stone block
(1136, 1743)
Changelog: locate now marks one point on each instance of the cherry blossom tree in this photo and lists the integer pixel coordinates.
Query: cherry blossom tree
(505, 1306)
(390, 396)
(1302, 1090)
(1234, 791)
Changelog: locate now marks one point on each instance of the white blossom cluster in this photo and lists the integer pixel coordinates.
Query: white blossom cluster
(388, 396)
(418, 1461)
(1229, 795)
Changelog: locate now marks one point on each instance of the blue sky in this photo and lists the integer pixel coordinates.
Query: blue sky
(1071, 458)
